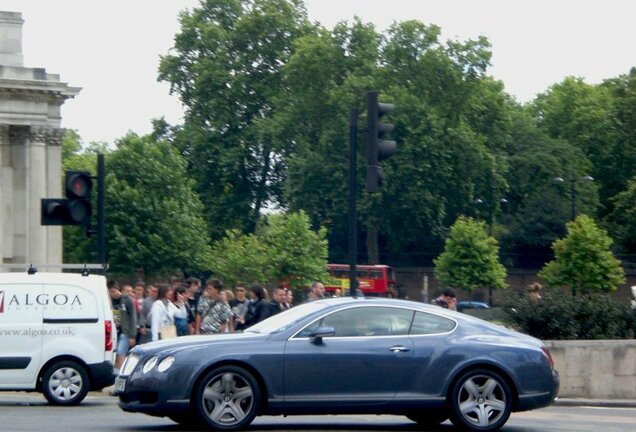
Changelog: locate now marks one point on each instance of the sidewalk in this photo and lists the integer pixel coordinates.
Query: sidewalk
(607, 403)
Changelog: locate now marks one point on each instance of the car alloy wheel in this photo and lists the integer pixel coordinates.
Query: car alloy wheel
(481, 401)
(65, 383)
(228, 398)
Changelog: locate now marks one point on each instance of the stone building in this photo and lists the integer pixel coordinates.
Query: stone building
(30, 150)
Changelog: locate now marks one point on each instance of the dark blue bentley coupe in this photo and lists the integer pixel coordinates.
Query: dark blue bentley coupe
(344, 356)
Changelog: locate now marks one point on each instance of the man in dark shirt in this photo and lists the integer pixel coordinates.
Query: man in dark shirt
(127, 330)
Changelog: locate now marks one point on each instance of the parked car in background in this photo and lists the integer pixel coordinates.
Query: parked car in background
(470, 304)
(340, 356)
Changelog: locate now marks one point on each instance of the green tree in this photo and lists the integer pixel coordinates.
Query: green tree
(622, 220)
(470, 258)
(154, 218)
(284, 248)
(537, 206)
(240, 257)
(296, 253)
(583, 260)
(225, 67)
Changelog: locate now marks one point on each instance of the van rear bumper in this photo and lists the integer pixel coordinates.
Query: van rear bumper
(102, 375)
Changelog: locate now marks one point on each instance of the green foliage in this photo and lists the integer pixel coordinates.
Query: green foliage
(239, 258)
(285, 248)
(583, 260)
(470, 258)
(226, 69)
(153, 217)
(559, 317)
(296, 253)
(622, 220)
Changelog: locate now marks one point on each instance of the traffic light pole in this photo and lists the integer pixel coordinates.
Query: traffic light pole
(101, 231)
(353, 217)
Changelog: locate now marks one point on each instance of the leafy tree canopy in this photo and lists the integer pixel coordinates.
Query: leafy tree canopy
(153, 219)
(470, 258)
(583, 260)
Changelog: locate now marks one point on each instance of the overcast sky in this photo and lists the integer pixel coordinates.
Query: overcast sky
(111, 48)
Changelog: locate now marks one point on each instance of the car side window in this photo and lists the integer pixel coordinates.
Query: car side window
(425, 323)
(365, 321)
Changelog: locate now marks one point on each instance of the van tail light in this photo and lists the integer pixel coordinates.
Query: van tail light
(108, 335)
(546, 353)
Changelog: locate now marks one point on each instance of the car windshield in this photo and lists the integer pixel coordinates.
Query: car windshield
(282, 321)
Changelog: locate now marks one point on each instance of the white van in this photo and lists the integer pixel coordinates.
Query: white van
(56, 335)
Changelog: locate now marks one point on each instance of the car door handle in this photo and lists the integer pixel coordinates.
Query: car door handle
(399, 348)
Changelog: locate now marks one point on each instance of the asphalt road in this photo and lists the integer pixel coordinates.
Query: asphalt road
(100, 413)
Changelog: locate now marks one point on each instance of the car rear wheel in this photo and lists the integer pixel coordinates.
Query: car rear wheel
(65, 383)
(480, 401)
(227, 398)
(428, 418)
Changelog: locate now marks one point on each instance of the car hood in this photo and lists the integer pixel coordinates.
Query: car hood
(187, 342)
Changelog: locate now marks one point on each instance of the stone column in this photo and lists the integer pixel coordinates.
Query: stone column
(18, 205)
(36, 190)
(54, 189)
(6, 188)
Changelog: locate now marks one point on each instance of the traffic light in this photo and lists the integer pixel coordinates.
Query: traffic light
(76, 209)
(377, 148)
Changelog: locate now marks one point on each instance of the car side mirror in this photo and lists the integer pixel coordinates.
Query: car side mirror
(321, 332)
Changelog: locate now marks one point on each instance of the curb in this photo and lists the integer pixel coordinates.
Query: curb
(607, 403)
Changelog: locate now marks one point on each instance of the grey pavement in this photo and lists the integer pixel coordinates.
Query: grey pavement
(608, 403)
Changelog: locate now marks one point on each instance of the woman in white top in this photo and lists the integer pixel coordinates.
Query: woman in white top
(162, 312)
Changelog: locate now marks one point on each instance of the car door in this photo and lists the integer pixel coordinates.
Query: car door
(434, 355)
(21, 306)
(363, 363)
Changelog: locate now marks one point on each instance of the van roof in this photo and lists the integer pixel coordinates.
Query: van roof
(51, 277)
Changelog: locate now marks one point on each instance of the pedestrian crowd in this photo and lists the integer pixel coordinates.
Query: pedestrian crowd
(149, 312)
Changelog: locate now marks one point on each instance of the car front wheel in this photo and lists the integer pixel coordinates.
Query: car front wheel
(227, 398)
(65, 383)
(480, 401)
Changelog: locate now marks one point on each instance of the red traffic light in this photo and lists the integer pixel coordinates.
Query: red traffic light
(78, 184)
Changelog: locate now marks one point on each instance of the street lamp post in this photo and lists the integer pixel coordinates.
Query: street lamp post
(573, 181)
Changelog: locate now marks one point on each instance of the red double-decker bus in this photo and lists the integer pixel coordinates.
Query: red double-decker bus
(373, 280)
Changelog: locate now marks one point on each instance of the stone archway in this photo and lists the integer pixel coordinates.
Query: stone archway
(30, 151)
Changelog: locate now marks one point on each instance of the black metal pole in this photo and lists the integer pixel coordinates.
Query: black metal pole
(353, 218)
(101, 230)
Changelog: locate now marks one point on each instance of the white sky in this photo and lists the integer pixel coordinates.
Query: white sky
(111, 48)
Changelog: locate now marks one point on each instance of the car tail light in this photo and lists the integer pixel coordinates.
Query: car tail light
(108, 335)
(546, 353)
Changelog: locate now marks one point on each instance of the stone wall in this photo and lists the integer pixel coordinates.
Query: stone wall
(603, 369)
(419, 283)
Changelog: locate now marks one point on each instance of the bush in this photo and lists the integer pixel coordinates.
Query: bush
(558, 316)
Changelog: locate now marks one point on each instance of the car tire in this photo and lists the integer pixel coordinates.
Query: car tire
(65, 383)
(427, 418)
(227, 398)
(480, 400)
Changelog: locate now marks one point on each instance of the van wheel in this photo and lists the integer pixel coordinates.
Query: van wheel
(65, 383)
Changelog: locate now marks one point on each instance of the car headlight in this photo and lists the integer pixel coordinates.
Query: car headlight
(129, 365)
(150, 364)
(165, 364)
